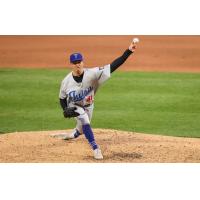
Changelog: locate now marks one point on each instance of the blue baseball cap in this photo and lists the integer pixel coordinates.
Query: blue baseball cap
(76, 57)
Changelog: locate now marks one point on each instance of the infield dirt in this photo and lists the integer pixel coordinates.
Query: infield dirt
(117, 146)
(155, 53)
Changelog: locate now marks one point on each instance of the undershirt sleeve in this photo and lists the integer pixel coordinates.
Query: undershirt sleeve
(63, 103)
(119, 61)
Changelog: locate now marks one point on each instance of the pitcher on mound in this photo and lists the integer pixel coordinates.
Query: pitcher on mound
(77, 93)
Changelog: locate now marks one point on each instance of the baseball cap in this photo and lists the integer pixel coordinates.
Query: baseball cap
(76, 57)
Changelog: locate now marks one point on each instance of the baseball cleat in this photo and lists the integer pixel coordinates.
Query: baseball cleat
(97, 154)
(68, 136)
(63, 136)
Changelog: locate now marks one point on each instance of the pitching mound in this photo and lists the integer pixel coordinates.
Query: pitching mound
(117, 146)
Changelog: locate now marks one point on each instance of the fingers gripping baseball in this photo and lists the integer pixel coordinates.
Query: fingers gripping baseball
(133, 44)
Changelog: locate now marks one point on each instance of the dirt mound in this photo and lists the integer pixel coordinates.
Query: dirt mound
(117, 146)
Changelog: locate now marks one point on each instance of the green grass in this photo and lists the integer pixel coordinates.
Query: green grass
(159, 103)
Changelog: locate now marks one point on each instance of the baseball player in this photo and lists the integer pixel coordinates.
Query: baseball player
(77, 93)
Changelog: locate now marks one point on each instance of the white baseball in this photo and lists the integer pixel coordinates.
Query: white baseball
(135, 40)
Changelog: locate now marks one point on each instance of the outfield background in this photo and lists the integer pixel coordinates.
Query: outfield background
(139, 97)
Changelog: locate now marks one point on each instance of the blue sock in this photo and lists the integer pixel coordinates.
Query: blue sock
(77, 134)
(89, 135)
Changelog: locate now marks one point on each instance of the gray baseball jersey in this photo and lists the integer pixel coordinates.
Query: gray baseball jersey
(83, 93)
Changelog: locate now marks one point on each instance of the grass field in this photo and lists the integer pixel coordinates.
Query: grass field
(159, 103)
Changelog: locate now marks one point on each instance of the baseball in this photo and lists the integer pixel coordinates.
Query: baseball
(136, 40)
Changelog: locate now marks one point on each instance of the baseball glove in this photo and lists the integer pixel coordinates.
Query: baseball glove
(70, 112)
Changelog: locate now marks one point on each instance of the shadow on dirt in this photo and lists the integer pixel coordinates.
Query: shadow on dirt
(123, 155)
(127, 155)
(118, 156)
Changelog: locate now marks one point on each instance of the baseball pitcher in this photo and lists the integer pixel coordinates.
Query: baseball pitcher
(78, 90)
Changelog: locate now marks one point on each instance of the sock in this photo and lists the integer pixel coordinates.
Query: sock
(89, 135)
(76, 134)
